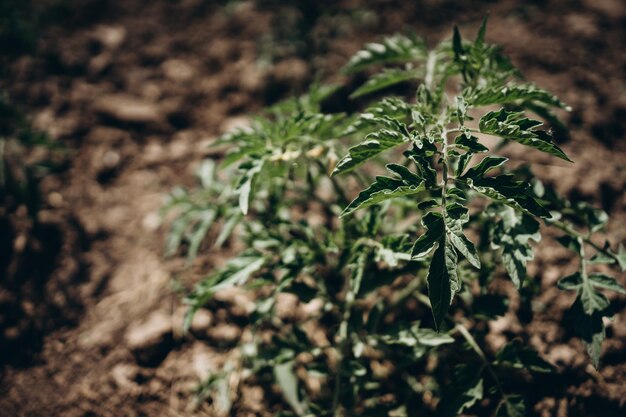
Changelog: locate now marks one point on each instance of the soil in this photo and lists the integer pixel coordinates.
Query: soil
(136, 90)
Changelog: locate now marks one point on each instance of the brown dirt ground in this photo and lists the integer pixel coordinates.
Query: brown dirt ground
(180, 73)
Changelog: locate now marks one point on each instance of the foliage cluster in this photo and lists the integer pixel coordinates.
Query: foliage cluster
(402, 273)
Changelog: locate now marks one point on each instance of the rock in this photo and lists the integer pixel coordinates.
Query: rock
(110, 37)
(151, 340)
(227, 334)
(286, 306)
(127, 109)
(178, 70)
(123, 376)
(291, 71)
(200, 323)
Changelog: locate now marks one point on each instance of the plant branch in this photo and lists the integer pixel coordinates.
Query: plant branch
(481, 354)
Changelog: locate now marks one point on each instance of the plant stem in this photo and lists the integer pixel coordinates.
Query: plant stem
(353, 286)
(581, 237)
(474, 345)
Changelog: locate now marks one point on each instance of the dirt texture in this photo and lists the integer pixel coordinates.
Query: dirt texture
(91, 325)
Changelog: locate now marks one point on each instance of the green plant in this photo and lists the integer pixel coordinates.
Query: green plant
(367, 263)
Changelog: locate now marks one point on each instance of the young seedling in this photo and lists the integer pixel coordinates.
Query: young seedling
(384, 332)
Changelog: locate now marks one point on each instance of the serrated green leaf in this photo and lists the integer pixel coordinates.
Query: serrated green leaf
(288, 383)
(514, 126)
(428, 337)
(505, 189)
(405, 174)
(198, 235)
(606, 282)
(465, 248)
(516, 355)
(512, 94)
(487, 164)
(393, 49)
(590, 328)
(421, 158)
(236, 272)
(592, 300)
(462, 164)
(456, 217)
(512, 235)
(428, 204)
(601, 258)
(461, 109)
(394, 248)
(247, 183)
(620, 257)
(435, 228)
(384, 188)
(442, 280)
(470, 143)
(457, 45)
(480, 36)
(569, 242)
(385, 79)
(375, 143)
(570, 282)
(512, 406)
(456, 193)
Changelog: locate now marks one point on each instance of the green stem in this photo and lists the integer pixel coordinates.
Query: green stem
(578, 235)
(481, 354)
(353, 286)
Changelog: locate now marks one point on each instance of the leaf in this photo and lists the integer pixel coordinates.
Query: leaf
(286, 379)
(470, 143)
(394, 248)
(487, 164)
(619, 256)
(466, 390)
(456, 217)
(433, 222)
(428, 337)
(480, 36)
(512, 235)
(385, 188)
(387, 78)
(393, 49)
(570, 282)
(590, 328)
(461, 109)
(236, 272)
(606, 282)
(512, 406)
(247, 182)
(589, 308)
(457, 45)
(512, 94)
(465, 248)
(516, 355)
(374, 144)
(456, 193)
(569, 242)
(592, 300)
(442, 280)
(514, 126)
(505, 189)
(199, 234)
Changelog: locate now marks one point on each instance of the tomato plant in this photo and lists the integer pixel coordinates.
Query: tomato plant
(397, 278)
